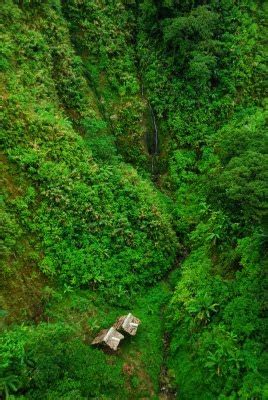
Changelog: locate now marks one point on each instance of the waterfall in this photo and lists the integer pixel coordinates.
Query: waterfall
(154, 150)
(155, 147)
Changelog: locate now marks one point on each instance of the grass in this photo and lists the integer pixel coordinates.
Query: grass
(141, 356)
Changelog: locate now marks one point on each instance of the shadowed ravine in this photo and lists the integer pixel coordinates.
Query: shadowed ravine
(152, 135)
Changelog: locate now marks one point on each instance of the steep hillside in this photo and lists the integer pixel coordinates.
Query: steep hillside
(133, 169)
(75, 214)
(91, 220)
(206, 79)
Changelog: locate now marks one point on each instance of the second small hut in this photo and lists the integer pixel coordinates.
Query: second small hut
(127, 323)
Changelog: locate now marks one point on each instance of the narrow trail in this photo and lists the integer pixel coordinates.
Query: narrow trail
(167, 389)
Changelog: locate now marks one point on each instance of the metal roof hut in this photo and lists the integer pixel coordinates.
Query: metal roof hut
(128, 323)
(111, 337)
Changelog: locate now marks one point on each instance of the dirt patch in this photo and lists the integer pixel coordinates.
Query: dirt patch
(21, 295)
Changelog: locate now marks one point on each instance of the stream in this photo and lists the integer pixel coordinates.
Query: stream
(152, 139)
(155, 141)
(154, 151)
(166, 388)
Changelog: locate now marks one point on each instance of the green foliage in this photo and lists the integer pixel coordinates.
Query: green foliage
(103, 34)
(95, 220)
(203, 66)
(77, 80)
(48, 362)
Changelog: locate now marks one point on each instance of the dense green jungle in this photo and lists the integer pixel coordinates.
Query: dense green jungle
(134, 180)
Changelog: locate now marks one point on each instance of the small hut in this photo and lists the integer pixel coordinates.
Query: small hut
(127, 323)
(111, 337)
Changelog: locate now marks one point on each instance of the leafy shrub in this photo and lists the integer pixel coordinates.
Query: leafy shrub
(48, 361)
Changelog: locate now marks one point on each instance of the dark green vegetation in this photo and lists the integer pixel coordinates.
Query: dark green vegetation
(87, 236)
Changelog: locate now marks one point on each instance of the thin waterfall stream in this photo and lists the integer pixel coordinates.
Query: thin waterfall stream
(152, 140)
(155, 142)
(154, 152)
